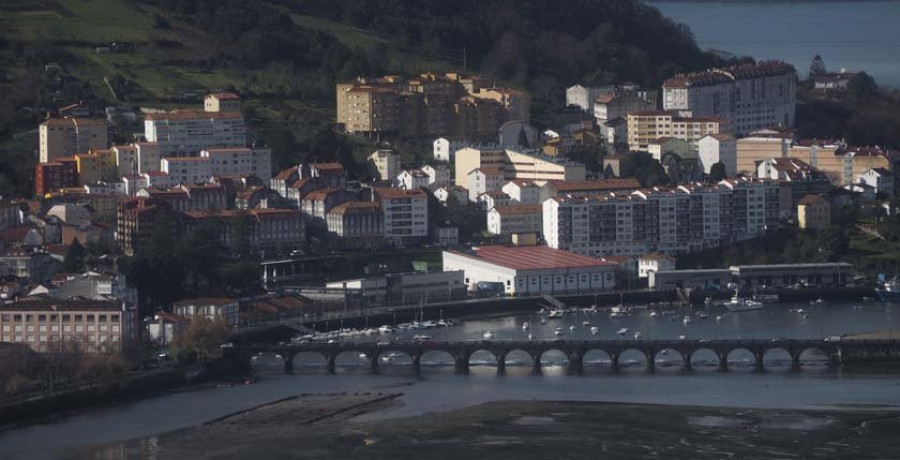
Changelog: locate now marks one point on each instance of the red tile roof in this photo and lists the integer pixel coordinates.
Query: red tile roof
(519, 209)
(532, 258)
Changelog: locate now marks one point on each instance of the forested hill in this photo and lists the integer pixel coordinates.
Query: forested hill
(534, 43)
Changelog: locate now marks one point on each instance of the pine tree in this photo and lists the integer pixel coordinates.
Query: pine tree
(817, 67)
(74, 260)
(717, 172)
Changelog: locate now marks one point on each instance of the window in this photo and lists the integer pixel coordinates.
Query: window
(79, 318)
(42, 318)
(66, 318)
(90, 318)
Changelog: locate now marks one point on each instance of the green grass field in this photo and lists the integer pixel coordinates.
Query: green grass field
(88, 20)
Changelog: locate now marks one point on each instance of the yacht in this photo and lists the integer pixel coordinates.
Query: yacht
(653, 314)
(555, 314)
(525, 326)
(488, 335)
(385, 330)
(638, 335)
(595, 330)
(421, 337)
(767, 298)
(703, 315)
(687, 320)
(719, 318)
(623, 331)
(740, 304)
(586, 323)
(558, 331)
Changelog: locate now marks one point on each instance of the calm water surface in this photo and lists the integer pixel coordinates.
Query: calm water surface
(854, 35)
(815, 387)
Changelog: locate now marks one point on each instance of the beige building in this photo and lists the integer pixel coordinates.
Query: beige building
(212, 308)
(64, 137)
(751, 150)
(509, 220)
(95, 326)
(517, 103)
(356, 220)
(222, 102)
(646, 127)
(526, 165)
(813, 212)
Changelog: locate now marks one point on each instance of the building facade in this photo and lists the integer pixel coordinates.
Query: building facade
(48, 324)
(191, 131)
(64, 137)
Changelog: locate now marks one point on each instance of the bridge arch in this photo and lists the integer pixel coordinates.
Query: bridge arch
(308, 361)
(480, 359)
(813, 357)
(391, 361)
(630, 359)
(742, 359)
(669, 358)
(518, 361)
(596, 359)
(438, 360)
(553, 360)
(778, 358)
(704, 359)
(352, 361)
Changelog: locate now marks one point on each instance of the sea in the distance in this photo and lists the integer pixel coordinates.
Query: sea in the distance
(857, 36)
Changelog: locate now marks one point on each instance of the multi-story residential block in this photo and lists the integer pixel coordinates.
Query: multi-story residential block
(358, 223)
(191, 131)
(222, 102)
(256, 197)
(748, 96)
(189, 197)
(412, 179)
(553, 188)
(405, 212)
(316, 205)
(433, 105)
(136, 219)
(239, 161)
(584, 97)
(385, 164)
(858, 160)
(671, 221)
(813, 212)
(96, 166)
(509, 220)
(718, 148)
(329, 174)
(50, 177)
(524, 192)
(760, 147)
(514, 164)
(446, 235)
(646, 127)
(271, 230)
(125, 159)
(621, 103)
(148, 156)
(880, 179)
(483, 180)
(187, 170)
(64, 137)
(212, 308)
(445, 149)
(45, 325)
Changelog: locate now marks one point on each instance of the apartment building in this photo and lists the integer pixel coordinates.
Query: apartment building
(686, 219)
(444, 150)
(316, 205)
(553, 188)
(858, 160)
(405, 212)
(718, 148)
(438, 175)
(515, 164)
(222, 102)
(880, 179)
(64, 137)
(622, 102)
(384, 164)
(646, 127)
(459, 194)
(433, 105)
(813, 212)
(801, 178)
(483, 180)
(270, 229)
(357, 223)
(489, 200)
(184, 133)
(94, 326)
(52, 176)
(187, 170)
(96, 166)
(240, 161)
(525, 192)
(513, 219)
(213, 308)
(412, 179)
(748, 96)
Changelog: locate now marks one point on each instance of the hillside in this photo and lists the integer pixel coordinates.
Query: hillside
(285, 55)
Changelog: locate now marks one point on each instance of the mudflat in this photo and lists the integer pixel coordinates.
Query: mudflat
(321, 426)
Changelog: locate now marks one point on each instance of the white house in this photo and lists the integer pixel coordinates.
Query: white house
(437, 175)
(412, 179)
(654, 262)
(715, 148)
(485, 179)
(879, 179)
(445, 150)
(507, 220)
(444, 193)
(521, 191)
(492, 199)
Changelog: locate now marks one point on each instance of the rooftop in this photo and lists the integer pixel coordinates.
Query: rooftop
(204, 301)
(730, 74)
(62, 305)
(519, 209)
(192, 115)
(532, 258)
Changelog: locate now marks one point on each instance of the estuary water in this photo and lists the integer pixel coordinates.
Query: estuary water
(857, 36)
(438, 389)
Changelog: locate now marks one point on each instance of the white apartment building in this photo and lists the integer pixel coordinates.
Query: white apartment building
(686, 219)
(412, 179)
(490, 200)
(187, 170)
(483, 180)
(524, 192)
(405, 212)
(443, 194)
(716, 148)
(508, 220)
(360, 220)
(188, 132)
(621, 103)
(148, 156)
(654, 262)
(385, 164)
(445, 149)
(240, 161)
(748, 96)
(583, 97)
(437, 175)
(879, 179)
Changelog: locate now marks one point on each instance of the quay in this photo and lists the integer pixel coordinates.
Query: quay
(839, 352)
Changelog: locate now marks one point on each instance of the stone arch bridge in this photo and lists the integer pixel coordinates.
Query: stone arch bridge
(838, 352)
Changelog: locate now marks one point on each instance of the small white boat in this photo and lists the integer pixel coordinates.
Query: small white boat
(595, 330)
(525, 326)
(653, 314)
(363, 355)
(555, 314)
(558, 332)
(530, 337)
(488, 335)
(385, 330)
(586, 323)
(719, 318)
(666, 352)
(703, 315)
(421, 338)
(687, 320)
(391, 356)
(707, 301)
(680, 337)
(638, 335)
(800, 310)
(623, 331)
(571, 328)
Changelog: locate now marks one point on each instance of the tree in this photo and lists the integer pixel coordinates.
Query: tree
(817, 67)
(717, 172)
(643, 167)
(862, 86)
(204, 336)
(74, 260)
